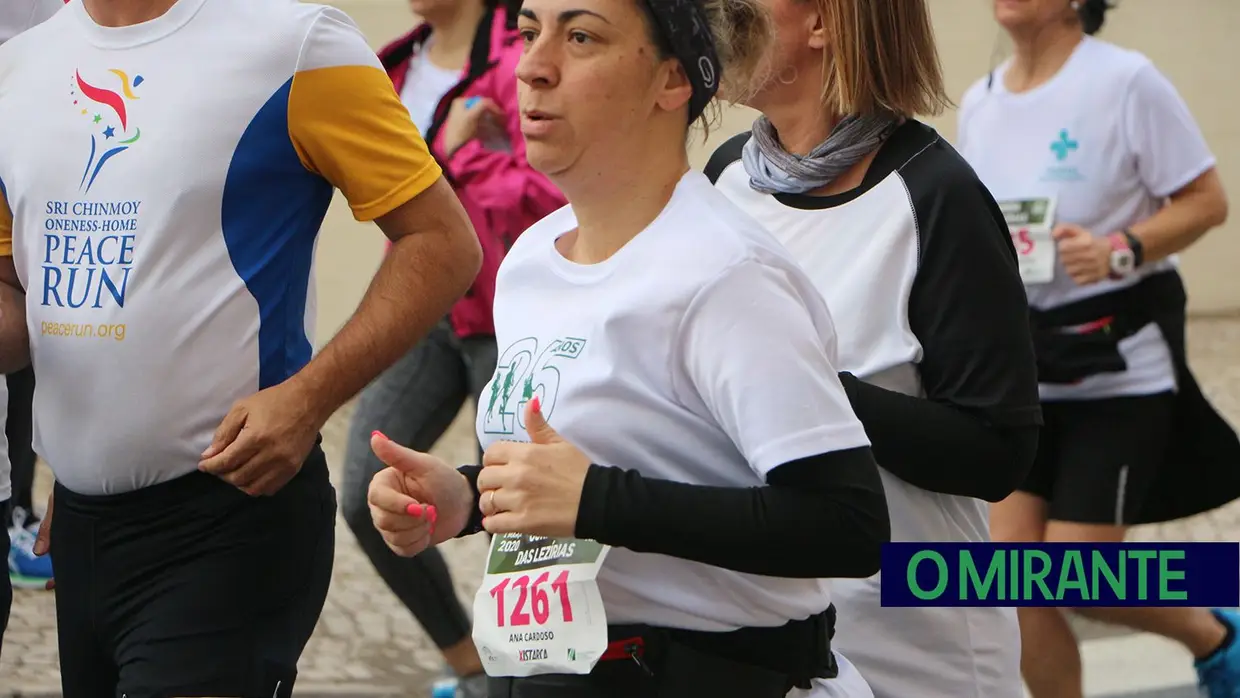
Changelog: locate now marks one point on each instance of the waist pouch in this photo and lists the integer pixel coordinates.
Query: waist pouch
(1081, 339)
(750, 662)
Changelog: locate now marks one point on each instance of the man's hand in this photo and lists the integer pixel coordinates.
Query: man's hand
(1085, 257)
(418, 501)
(263, 440)
(43, 540)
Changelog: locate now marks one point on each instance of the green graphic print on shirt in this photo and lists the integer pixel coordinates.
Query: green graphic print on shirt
(523, 371)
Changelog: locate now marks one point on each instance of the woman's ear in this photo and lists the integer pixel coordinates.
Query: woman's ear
(817, 28)
(675, 90)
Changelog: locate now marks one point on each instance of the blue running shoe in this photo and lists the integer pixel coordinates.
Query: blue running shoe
(444, 688)
(1219, 674)
(26, 570)
(474, 686)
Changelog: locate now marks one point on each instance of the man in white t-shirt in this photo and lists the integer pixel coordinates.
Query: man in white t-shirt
(16, 16)
(159, 212)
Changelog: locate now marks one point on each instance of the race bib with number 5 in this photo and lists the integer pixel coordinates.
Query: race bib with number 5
(1030, 222)
(539, 610)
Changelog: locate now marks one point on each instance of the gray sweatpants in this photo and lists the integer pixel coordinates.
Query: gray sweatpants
(413, 403)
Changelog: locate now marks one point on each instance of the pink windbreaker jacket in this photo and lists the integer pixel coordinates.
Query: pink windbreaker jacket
(501, 192)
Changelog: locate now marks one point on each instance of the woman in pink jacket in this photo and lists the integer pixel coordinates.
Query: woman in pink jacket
(456, 74)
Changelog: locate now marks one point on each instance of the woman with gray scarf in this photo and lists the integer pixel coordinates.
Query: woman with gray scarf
(915, 261)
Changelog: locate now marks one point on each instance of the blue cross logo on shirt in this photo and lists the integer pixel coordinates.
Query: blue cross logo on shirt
(1063, 145)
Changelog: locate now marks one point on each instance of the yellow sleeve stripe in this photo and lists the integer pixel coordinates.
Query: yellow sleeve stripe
(6, 225)
(349, 126)
(399, 195)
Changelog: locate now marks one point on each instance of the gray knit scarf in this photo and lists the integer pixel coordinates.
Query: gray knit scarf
(773, 170)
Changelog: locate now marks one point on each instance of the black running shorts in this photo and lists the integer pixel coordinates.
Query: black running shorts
(1097, 458)
(191, 587)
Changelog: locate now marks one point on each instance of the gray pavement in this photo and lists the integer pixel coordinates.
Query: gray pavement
(367, 645)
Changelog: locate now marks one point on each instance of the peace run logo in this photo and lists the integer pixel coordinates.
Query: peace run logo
(107, 112)
(521, 373)
(89, 246)
(1063, 146)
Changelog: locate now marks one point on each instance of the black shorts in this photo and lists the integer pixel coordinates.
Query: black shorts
(191, 587)
(1097, 458)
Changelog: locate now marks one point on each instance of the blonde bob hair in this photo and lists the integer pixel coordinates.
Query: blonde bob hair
(882, 58)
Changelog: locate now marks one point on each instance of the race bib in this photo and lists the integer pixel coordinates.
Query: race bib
(539, 610)
(1030, 222)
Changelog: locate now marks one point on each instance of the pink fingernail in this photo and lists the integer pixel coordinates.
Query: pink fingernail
(414, 509)
(432, 514)
(379, 434)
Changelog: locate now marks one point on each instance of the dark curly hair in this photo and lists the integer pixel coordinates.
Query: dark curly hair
(1093, 14)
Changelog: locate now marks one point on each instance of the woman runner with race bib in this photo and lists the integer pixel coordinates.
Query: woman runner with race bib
(1097, 138)
(672, 469)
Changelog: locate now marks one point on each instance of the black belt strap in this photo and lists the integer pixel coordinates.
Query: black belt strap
(1081, 339)
(1133, 307)
(799, 649)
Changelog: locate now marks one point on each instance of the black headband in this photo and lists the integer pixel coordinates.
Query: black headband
(683, 25)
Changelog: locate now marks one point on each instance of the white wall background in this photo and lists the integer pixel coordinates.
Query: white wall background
(1193, 41)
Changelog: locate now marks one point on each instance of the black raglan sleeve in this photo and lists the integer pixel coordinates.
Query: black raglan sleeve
(975, 432)
(724, 156)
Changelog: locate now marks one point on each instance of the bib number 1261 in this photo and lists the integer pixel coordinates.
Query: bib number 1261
(536, 594)
(539, 610)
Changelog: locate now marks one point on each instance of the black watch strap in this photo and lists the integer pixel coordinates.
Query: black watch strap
(1138, 249)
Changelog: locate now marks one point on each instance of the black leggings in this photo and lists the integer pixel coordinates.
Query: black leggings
(413, 403)
(18, 430)
(6, 587)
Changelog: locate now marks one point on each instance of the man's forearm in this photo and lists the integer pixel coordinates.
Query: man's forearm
(420, 278)
(14, 338)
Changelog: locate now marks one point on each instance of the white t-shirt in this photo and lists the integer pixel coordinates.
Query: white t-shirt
(16, 16)
(698, 353)
(1110, 138)
(889, 257)
(425, 85)
(162, 203)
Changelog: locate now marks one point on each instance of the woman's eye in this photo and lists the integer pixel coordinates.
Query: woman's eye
(579, 37)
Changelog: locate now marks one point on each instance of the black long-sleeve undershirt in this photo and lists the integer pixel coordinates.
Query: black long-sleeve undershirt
(939, 447)
(821, 516)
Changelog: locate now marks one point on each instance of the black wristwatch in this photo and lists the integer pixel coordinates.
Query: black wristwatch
(1134, 244)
